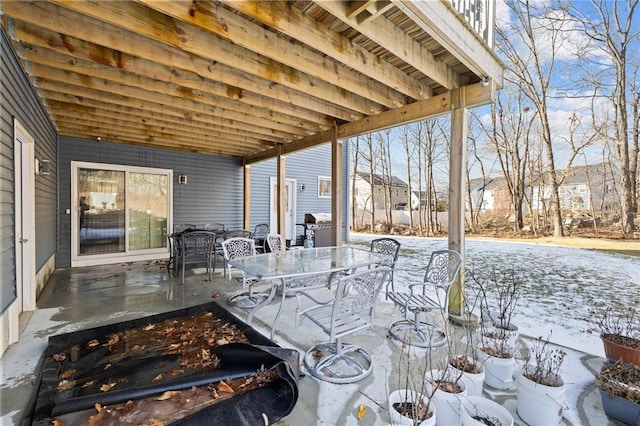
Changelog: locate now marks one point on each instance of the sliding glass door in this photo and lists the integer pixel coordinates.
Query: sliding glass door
(121, 214)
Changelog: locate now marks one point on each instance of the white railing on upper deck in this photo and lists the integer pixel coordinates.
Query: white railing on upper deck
(480, 14)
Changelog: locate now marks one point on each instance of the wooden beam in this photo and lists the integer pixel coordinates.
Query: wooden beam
(392, 38)
(231, 26)
(476, 95)
(281, 17)
(43, 46)
(337, 200)
(448, 28)
(457, 168)
(246, 224)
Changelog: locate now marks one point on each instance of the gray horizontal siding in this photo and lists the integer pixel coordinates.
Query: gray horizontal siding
(213, 193)
(304, 166)
(18, 100)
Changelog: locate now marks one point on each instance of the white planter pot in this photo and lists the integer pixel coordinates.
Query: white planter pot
(404, 395)
(499, 372)
(474, 381)
(475, 406)
(539, 405)
(447, 404)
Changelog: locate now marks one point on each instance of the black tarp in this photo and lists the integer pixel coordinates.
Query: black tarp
(236, 360)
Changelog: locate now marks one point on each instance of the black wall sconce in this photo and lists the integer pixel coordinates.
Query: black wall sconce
(301, 187)
(182, 179)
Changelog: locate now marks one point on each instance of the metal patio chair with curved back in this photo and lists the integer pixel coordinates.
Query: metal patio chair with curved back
(275, 243)
(351, 311)
(259, 235)
(196, 247)
(220, 231)
(389, 248)
(425, 297)
(234, 248)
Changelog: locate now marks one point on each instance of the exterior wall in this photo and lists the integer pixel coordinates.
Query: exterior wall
(213, 193)
(305, 167)
(18, 100)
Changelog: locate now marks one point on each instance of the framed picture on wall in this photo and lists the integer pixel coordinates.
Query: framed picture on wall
(324, 187)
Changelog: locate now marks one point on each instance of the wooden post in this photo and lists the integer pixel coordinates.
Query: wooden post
(457, 164)
(246, 224)
(336, 189)
(280, 191)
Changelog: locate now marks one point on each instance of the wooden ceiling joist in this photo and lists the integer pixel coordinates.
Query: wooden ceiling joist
(234, 78)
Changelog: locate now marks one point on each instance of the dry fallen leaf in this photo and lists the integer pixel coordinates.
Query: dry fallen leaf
(93, 343)
(168, 394)
(154, 422)
(107, 387)
(66, 385)
(215, 295)
(66, 374)
(113, 339)
(89, 384)
(59, 357)
(362, 411)
(57, 422)
(127, 407)
(98, 407)
(150, 327)
(223, 387)
(157, 378)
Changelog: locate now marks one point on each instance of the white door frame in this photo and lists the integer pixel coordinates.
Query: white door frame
(290, 213)
(25, 222)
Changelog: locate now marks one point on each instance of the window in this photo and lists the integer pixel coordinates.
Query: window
(324, 187)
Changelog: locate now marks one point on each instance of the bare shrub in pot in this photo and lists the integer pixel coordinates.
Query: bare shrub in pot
(618, 324)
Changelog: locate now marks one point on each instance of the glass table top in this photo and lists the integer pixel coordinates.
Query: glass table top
(309, 261)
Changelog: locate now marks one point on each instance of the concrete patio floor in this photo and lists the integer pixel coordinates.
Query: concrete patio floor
(81, 298)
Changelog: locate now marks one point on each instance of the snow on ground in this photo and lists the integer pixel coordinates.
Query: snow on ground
(562, 283)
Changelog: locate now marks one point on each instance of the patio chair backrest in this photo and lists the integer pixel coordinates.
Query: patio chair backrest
(214, 227)
(237, 247)
(443, 268)
(181, 227)
(275, 243)
(387, 247)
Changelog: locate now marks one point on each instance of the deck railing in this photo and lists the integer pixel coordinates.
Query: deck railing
(480, 14)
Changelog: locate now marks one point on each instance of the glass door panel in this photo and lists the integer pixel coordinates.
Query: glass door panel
(102, 211)
(147, 201)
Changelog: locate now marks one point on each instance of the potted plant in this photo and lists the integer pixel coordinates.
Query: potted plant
(619, 327)
(619, 386)
(498, 295)
(540, 388)
(410, 404)
(479, 411)
(446, 389)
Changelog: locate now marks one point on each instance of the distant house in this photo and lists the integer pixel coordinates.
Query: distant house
(583, 188)
(394, 193)
(491, 194)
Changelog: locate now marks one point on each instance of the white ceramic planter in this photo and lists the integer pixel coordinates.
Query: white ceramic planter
(539, 405)
(499, 372)
(447, 404)
(402, 395)
(474, 406)
(474, 381)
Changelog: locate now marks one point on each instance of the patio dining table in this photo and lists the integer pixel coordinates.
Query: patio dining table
(282, 265)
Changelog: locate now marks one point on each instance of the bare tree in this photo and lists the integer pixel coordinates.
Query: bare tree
(531, 44)
(409, 151)
(614, 36)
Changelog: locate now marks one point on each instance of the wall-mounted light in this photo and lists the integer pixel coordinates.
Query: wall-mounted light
(485, 80)
(43, 167)
(301, 187)
(182, 179)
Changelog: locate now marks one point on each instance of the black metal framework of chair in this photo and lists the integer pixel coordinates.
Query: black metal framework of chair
(350, 311)
(424, 297)
(181, 227)
(196, 247)
(221, 235)
(259, 235)
(389, 249)
(234, 248)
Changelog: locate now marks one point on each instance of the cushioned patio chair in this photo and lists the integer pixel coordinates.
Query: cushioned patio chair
(234, 248)
(421, 298)
(350, 311)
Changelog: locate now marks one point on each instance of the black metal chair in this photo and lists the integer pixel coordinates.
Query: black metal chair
(196, 247)
(259, 235)
(424, 297)
(350, 311)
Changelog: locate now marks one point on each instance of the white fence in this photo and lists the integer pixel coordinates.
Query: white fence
(398, 217)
